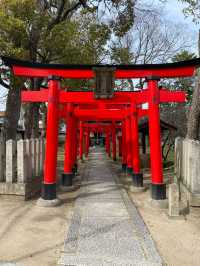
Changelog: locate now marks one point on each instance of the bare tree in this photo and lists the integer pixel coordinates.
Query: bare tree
(150, 40)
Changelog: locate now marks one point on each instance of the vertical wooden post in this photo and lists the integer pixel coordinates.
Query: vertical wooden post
(74, 147)
(158, 188)
(124, 148)
(137, 176)
(67, 176)
(128, 146)
(49, 184)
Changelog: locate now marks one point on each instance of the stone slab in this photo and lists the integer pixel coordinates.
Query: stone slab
(105, 209)
(106, 228)
(173, 200)
(27, 190)
(99, 261)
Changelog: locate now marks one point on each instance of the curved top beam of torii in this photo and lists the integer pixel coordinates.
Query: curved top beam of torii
(169, 70)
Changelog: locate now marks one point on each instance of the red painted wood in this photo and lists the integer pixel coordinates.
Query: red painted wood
(172, 96)
(154, 134)
(51, 133)
(69, 142)
(124, 148)
(128, 142)
(135, 140)
(89, 74)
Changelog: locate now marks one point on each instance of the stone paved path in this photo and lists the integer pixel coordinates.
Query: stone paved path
(106, 227)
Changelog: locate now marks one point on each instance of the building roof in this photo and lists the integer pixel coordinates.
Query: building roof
(144, 126)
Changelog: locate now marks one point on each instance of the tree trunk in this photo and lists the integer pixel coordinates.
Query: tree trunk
(31, 122)
(32, 114)
(194, 115)
(13, 105)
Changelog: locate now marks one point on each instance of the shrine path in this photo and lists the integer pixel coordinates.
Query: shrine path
(106, 228)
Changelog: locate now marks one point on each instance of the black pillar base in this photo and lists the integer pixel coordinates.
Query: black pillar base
(158, 191)
(137, 180)
(129, 170)
(48, 191)
(115, 159)
(124, 167)
(67, 179)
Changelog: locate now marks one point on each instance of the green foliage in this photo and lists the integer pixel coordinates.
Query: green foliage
(30, 31)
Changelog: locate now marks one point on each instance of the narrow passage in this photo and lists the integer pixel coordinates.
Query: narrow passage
(106, 228)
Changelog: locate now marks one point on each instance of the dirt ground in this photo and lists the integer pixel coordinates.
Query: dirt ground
(32, 235)
(178, 241)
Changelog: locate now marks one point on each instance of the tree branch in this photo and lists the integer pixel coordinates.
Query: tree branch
(5, 85)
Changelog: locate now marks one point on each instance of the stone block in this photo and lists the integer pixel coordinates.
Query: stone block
(10, 161)
(187, 169)
(21, 162)
(173, 200)
(194, 166)
(33, 157)
(42, 155)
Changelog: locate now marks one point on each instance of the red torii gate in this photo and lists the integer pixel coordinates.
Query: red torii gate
(54, 96)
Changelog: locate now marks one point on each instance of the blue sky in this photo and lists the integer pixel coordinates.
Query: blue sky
(172, 11)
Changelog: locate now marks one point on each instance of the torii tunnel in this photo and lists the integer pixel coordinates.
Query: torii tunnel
(122, 113)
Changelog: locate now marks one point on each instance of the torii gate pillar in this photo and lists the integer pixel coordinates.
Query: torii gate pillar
(137, 175)
(75, 147)
(124, 157)
(158, 188)
(49, 182)
(129, 168)
(69, 148)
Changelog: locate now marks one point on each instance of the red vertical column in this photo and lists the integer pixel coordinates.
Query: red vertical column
(81, 140)
(124, 157)
(49, 183)
(67, 176)
(114, 142)
(137, 176)
(128, 146)
(158, 188)
(75, 147)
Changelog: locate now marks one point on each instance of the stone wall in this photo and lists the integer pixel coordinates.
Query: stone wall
(21, 167)
(187, 169)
